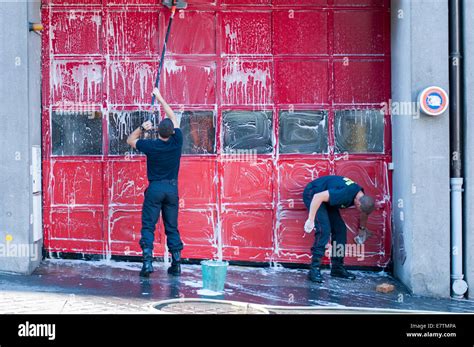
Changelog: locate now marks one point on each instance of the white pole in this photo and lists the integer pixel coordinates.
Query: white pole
(458, 284)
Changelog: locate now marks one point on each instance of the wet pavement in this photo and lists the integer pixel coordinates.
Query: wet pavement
(75, 286)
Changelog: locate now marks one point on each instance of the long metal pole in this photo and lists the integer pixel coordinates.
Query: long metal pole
(163, 52)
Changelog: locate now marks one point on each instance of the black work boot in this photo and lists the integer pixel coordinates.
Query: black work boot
(315, 271)
(147, 267)
(175, 268)
(338, 269)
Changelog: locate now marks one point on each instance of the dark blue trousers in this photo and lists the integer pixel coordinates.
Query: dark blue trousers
(328, 223)
(161, 196)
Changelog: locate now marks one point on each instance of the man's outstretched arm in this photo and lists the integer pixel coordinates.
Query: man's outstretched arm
(316, 202)
(169, 112)
(135, 135)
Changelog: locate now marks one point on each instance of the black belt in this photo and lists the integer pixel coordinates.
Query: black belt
(172, 182)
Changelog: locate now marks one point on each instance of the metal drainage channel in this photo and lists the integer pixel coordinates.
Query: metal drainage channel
(205, 306)
(208, 306)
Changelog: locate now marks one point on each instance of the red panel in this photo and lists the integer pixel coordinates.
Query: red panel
(75, 2)
(77, 246)
(299, 2)
(131, 249)
(247, 229)
(199, 252)
(129, 181)
(197, 229)
(193, 32)
(295, 174)
(370, 175)
(260, 255)
(125, 226)
(359, 2)
(125, 233)
(132, 32)
(77, 32)
(131, 82)
(76, 224)
(358, 34)
(77, 183)
(133, 2)
(291, 234)
(202, 2)
(192, 194)
(77, 82)
(245, 2)
(359, 81)
(189, 81)
(300, 32)
(374, 251)
(297, 256)
(248, 182)
(246, 33)
(246, 82)
(300, 81)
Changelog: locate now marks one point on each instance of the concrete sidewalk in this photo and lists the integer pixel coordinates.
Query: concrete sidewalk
(108, 287)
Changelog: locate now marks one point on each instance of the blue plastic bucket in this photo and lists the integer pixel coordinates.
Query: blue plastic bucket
(213, 275)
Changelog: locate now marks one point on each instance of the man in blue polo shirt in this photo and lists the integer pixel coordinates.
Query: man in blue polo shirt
(323, 198)
(163, 159)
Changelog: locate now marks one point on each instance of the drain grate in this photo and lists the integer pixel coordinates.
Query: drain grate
(203, 306)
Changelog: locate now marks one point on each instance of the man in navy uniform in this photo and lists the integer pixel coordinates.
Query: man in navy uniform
(163, 160)
(323, 198)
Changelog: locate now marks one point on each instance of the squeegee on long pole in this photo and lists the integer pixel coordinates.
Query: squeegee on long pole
(163, 52)
(173, 4)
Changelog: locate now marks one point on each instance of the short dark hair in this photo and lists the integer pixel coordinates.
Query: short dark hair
(367, 204)
(166, 128)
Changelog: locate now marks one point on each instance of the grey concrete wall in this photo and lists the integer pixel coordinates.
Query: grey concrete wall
(421, 191)
(468, 47)
(19, 130)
